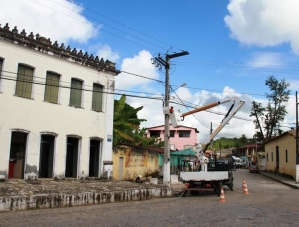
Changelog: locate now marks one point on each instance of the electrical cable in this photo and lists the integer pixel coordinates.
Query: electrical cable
(105, 29)
(122, 24)
(82, 89)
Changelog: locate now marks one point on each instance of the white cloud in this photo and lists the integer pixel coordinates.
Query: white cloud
(264, 22)
(106, 52)
(62, 21)
(266, 60)
(153, 112)
(294, 85)
(140, 65)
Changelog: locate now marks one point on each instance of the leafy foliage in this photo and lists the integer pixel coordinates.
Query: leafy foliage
(126, 128)
(226, 143)
(268, 118)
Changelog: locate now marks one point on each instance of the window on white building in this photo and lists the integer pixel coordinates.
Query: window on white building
(97, 97)
(24, 81)
(185, 134)
(52, 87)
(76, 93)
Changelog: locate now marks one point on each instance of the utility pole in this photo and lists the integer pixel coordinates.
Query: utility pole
(297, 152)
(211, 131)
(166, 64)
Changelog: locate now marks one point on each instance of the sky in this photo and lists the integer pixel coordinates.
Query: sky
(233, 46)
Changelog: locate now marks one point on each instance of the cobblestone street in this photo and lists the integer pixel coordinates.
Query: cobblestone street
(269, 203)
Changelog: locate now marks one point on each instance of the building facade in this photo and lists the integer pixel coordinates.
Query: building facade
(57, 104)
(280, 154)
(180, 138)
(249, 153)
(131, 161)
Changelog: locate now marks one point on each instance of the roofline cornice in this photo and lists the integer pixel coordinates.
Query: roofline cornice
(42, 44)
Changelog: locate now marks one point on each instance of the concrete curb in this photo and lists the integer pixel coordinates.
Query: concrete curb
(292, 185)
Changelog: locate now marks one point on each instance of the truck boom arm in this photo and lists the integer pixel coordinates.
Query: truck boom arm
(236, 105)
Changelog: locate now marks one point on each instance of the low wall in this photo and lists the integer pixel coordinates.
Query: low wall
(42, 201)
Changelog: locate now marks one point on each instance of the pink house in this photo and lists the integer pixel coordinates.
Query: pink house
(180, 138)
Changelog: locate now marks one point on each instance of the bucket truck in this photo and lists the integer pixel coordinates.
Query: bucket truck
(211, 174)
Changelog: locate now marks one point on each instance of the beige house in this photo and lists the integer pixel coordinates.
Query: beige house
(281, 154)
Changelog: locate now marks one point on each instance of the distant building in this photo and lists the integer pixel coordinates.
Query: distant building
(281, 154)
(180, 138)
(57, 104)
(249, 153)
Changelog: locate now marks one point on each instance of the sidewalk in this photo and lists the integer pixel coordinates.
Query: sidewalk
(286, 181)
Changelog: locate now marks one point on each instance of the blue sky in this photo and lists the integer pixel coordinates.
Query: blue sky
(233, 47)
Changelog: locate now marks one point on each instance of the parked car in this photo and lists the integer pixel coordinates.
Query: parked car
(254, 169)
(240, 164)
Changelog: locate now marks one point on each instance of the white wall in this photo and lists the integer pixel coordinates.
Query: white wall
(36, 116)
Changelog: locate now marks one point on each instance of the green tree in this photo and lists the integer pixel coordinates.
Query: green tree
(125, 122)
(268, 118)
(243, 139)
(126, 126)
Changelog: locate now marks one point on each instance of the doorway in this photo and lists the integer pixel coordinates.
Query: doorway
(72, 151)
(46, 156)
(120, 168)
(277, 158)
(94, 158)
(18, 146)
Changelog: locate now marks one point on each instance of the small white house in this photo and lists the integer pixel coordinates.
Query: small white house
(57, 104)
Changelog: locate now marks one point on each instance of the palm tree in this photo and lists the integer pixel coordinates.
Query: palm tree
(126, 126)
(125, 121)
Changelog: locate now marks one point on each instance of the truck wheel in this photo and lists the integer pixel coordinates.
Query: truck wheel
(219, 186)
(231, 184)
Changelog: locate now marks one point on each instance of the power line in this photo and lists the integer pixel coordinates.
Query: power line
(114, 93)
(142, 76)
(82, 89)
(265, 69)
(105, 29)
(186, 106)
(182, 102)
(122, 24)
(90, 86)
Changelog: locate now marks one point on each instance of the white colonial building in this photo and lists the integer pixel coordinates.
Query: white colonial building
(57, 104)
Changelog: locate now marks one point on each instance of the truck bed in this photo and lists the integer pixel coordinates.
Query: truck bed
(204, 176)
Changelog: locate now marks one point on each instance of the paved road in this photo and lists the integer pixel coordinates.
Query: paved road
(269, 203)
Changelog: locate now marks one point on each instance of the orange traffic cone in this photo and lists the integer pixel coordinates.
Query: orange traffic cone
(222, 198)
(245, 191)
(243, 185)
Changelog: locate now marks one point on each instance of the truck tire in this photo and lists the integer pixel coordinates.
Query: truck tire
(231, 184)
(219, 186)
